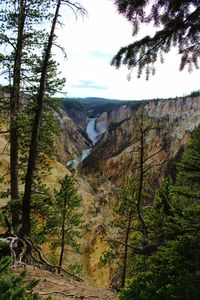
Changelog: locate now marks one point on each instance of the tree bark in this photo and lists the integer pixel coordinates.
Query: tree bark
(62, 236)
(26, 204)
(14, 115)
(126, 250)
(140, 189)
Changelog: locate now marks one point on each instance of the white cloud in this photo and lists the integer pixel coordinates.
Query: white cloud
(90, 45)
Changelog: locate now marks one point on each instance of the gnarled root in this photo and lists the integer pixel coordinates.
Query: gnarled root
(23, 251)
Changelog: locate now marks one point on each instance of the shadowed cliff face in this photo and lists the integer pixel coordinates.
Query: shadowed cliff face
(113, 154)
(114, 116)
(72, 138)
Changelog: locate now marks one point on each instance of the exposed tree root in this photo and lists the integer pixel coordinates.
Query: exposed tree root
(23, 251)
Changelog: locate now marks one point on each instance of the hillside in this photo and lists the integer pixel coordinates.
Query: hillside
(61, 287)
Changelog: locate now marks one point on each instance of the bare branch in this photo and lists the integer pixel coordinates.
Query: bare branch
(76, 7)
(155, 165)
(50, 265)
(5, 148)
(62, 49)
(58, 292)
(154, 154)
(146, 250)
(8, 173)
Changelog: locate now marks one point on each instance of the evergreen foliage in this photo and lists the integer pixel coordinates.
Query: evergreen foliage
(14, 286)
(177, 24)
(173, 270)
(189, 168)
(64, 220)
(131, 215)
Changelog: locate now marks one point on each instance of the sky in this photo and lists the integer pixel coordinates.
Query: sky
(90, 44)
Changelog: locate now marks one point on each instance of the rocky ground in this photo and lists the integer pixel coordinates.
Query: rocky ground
(60, 287)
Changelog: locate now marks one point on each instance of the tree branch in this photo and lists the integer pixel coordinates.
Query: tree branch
(146, 250)
(155, 165)
(76, 7)
(149, 157)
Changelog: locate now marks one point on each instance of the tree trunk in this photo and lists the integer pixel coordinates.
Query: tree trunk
(26, 204)
(62, 235)
(14, 115)
(140, 189)
(126, 250)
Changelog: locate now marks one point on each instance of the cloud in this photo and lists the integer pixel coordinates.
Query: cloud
(87, 84)
(100, 55)
(90, 45)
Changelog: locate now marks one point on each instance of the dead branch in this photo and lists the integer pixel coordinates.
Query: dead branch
(145, 250)
(50, 265)
(154, 154)
(155, 165)
(76, 7)
(58, 292)
(62, 50)
(5, 147)
(5, 174)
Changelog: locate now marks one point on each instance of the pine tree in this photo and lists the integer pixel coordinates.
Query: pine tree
(188, 178)
(40, 99)
(14, 287)
(64, 220)
(130, 213)
(21, 38)
(177, 24)
(173, 270)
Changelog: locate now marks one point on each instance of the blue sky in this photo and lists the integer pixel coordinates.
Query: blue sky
(91, 43)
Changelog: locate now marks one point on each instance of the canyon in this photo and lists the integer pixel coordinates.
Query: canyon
(102, 171)
(103, 145)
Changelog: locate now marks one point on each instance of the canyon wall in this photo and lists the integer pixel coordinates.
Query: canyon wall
(112, 154)
(116, 115)
(72, 139)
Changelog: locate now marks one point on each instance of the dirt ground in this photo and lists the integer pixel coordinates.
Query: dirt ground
(60, 287)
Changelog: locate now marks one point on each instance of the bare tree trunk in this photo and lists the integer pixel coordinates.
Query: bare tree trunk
(26, 204)
(140, 189)
(126, 249)
(14, 114)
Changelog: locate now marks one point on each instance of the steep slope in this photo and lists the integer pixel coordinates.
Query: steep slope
(72, 138)
(60, 287)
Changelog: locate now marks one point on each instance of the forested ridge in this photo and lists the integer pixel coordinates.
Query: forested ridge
(151, 249)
